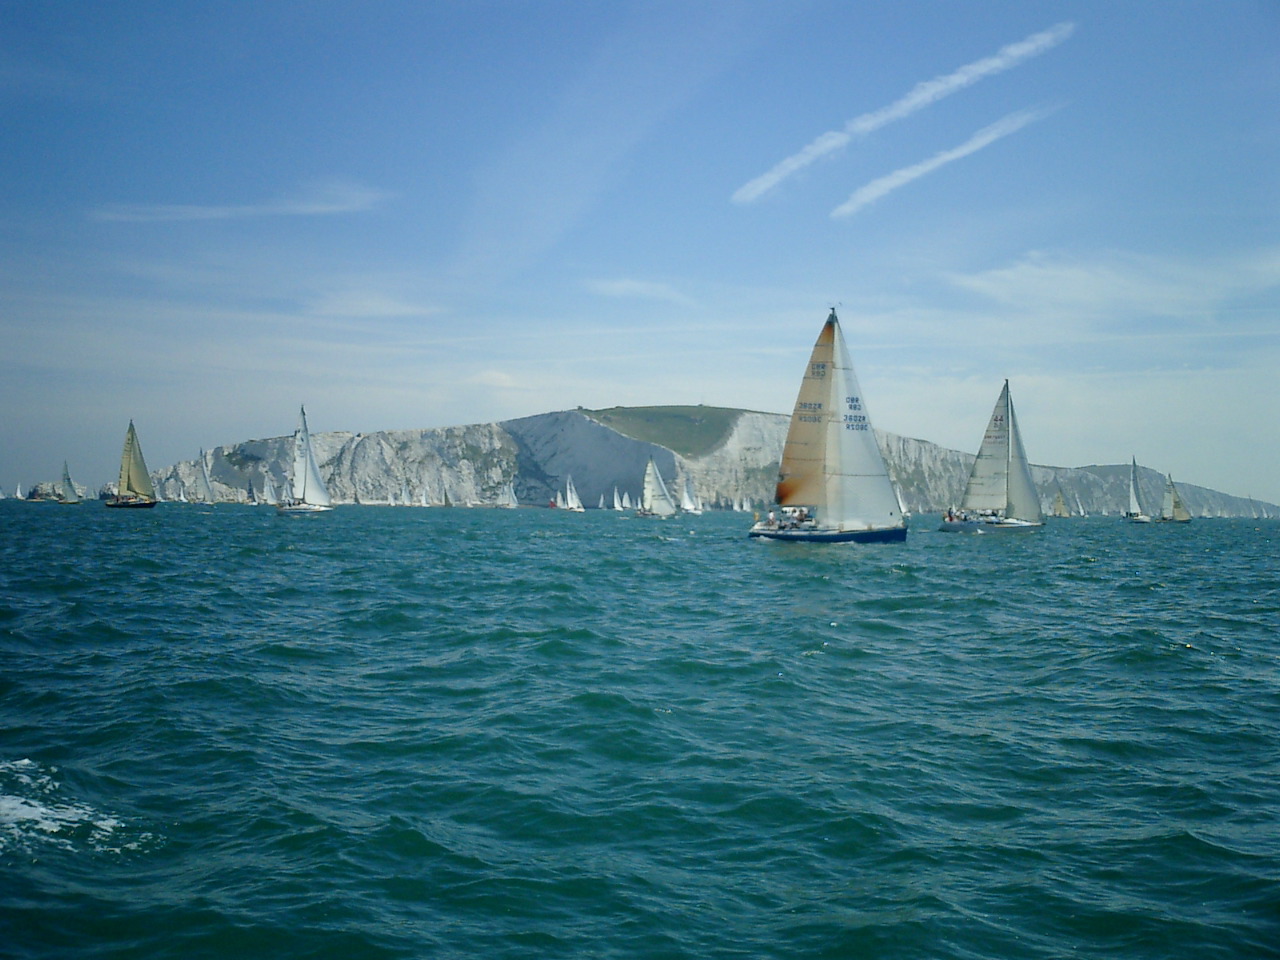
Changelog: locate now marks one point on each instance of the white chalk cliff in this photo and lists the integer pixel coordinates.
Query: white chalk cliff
(471, 464)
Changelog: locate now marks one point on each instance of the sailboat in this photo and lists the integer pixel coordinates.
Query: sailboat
(655, 500)
(69, 495)
(135, 488)
(1134, 514)
(1060, 505)
(833, 486)
(204, 486)
(689, 501)
(308, 494)
(1000, 495)
(571, 502)
(1172, 510)
(507, 499)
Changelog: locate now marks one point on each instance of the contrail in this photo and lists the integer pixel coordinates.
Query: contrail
(920, 97)
(985, 137)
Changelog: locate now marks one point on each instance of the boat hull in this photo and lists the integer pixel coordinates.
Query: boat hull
(130, 503)
(989, 526)
(890, 535)
(301, 509)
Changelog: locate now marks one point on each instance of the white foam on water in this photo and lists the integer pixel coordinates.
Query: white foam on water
(33, 815)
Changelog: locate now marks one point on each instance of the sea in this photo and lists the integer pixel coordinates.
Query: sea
(390, 732)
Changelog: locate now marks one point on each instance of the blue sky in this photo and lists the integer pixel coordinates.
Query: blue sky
(422, 214)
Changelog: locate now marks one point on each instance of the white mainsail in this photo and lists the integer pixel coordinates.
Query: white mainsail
(655, 499)
(1000, 481)
(832, 473)
(617, 501)
(307, 487)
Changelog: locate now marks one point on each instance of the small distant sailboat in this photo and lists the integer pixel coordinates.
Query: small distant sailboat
(1060, 506)
(134, 489)
(308, 493)
(655, 500)
(833, 486)
(507, 498)
(204, 486)
(1000, 495)
(1134, 514)
(69, 495)
(689, 501)
(1172, 509)
(570, 501)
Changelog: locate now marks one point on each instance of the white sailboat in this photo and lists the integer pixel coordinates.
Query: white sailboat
(833, 486)
(689, 502)
(507, 499)
(617, 501)
(1134, 514)
(308, 493)
(1000, 495)
(204, 486)
(69, 495)
(134, 488)
(655, 500)
(1060, 505)
(571, 501)
(1172, 509)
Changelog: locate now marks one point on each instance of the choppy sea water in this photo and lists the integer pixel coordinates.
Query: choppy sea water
(404, 732)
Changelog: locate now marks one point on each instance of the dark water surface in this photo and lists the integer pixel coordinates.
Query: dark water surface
(439, 733)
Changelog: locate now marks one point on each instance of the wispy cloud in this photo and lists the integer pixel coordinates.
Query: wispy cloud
(322, 199)
(368, 305)
(921, 96)
(887, 184)
(637, 289)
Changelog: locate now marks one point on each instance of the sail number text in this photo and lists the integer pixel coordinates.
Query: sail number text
(853, 420)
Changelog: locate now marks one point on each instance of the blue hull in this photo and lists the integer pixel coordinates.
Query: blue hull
(893, 535)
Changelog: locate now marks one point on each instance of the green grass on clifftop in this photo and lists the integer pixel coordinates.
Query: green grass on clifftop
(689, 431)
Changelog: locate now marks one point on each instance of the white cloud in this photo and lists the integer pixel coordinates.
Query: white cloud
(921, 96)
(885, 185)
(368, 305)
(324, 199)
(637, 289)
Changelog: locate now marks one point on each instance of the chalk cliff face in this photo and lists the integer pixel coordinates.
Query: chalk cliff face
(471, 464)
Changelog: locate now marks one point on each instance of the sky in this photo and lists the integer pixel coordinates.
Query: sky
(411, 215)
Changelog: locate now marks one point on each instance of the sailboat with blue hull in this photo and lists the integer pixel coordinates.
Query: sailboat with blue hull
(833, 486)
